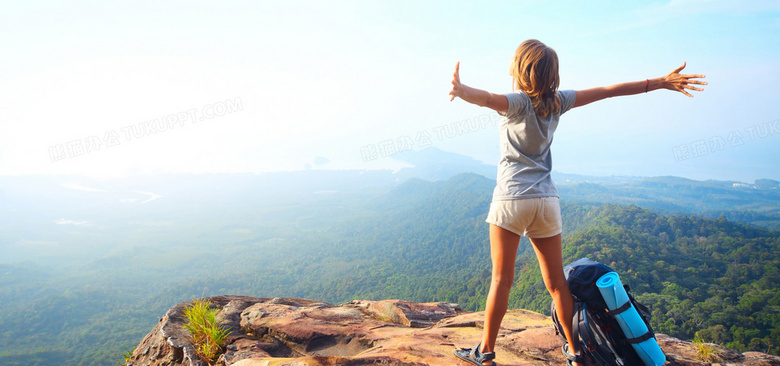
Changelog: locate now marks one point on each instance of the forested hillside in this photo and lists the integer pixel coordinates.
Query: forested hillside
(707, 277)
(420, 241)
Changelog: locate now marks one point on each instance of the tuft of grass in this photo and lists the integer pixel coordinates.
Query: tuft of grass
(704, 351)
(127, 356)
(207, 332)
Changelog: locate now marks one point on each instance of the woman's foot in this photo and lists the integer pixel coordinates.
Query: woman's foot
(475, 356)
(485, 352)
(572, 359)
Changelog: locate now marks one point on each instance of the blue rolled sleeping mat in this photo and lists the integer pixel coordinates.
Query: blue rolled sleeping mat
(630, 321)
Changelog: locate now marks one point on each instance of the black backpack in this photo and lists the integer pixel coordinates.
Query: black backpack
(602, 341)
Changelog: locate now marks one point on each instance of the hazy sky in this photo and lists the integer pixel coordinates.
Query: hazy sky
(107, 89)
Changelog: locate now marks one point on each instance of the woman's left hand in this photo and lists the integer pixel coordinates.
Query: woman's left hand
(678, 82)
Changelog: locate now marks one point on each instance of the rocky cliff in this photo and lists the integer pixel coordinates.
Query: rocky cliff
(299, 332)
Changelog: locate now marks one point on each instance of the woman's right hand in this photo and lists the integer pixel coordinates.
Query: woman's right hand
(457, 87)
(678, 82)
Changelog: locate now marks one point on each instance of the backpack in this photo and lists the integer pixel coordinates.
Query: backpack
(601, 332)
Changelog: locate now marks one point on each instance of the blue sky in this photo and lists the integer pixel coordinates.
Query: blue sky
(115, 88)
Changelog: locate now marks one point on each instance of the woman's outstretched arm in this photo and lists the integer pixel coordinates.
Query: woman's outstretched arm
(672, 81)
(496, 102)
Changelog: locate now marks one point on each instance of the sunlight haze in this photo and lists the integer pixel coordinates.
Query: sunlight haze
(111, 89)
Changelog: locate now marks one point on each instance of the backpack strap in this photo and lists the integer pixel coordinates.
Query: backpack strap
(579, 324)
(576, 318)
(592, 345)
(582, 328)
(641, 338)
(621, 309)
(642, 310)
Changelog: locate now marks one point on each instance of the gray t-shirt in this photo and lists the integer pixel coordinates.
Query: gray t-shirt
(525, 139)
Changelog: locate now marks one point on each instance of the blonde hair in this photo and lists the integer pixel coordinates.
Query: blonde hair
(534, 70)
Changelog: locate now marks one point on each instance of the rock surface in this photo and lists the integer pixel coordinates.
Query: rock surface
(300, 332)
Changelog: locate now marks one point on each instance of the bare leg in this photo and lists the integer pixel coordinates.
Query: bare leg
(503, 252)
(548, 252)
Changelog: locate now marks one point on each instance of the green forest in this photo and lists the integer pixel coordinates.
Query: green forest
(419, 241)
(709, 278)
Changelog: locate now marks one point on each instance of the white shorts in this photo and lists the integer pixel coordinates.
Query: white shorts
(538, 217)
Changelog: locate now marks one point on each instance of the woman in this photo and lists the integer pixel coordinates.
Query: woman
(525, 201)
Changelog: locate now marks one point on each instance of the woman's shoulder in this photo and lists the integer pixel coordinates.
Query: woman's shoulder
(518, 96)
(517, 93)
(566, 93)
(518, 102)
(567, 99)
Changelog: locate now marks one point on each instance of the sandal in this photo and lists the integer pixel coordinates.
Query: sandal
(572, 357)
(474, 356)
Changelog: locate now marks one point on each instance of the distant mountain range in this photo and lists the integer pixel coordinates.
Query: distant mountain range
(38, 213)
(756, 203)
